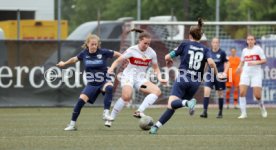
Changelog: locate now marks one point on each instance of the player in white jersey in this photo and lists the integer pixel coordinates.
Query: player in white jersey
(140, 57)
(251, 60)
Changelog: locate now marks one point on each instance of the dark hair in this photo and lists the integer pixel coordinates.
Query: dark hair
(143, 33)
(196, 31)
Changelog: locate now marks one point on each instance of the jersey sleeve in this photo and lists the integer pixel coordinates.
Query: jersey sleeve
(154, 57)
(179, 49)
(242, 55)
(207, 53)
(108, 53)
(80, 56)
(261, 53)
(224, 57)
(127, 54)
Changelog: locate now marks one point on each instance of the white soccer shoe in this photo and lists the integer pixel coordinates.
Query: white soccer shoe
(263, 112)
(70, 128)
(242, 116)
(108, 123)
(107, 117)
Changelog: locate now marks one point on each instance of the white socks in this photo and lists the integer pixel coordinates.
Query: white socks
(149, 100)
(243, 105)
(158, 124)
(119, 105)
(184, 102)
(72, 123)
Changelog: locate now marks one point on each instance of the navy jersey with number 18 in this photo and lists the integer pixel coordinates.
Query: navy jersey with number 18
(193, 56)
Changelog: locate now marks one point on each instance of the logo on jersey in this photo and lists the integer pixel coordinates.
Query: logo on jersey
(218, 55)
(139, 61)
(87, 57)
(99, 56)
(252, 58)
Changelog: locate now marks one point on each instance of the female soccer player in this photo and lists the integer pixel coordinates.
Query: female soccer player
(219, 56)
(233, 79)
(193, 57)
(251, 60)
(140, 56)
(94, 59)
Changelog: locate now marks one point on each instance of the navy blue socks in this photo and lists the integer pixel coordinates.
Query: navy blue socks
(108, 96)
(77, 109)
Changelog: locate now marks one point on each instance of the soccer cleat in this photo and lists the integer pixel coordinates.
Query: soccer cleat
(108, 123)
(138, 114)
(191, 105)
(153, 130)
(70, 128)
(264, 113)
(107, 117)
(242, 116)
(204, 115)
(219, 116)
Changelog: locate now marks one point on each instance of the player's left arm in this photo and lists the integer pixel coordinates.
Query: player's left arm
(156, 70)
(116, 54)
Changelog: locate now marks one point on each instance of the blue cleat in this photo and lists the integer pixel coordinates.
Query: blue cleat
(153, 130)
(191, 105)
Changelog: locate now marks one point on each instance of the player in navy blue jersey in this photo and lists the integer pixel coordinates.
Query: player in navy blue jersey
(94, 60)
(220, 58)
(193, 56)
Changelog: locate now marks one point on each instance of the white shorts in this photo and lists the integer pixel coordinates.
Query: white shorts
(254, 80)
(132, 81)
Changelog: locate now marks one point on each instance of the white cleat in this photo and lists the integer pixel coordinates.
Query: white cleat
(107, 117)
(70, 128)
(264, 113)
(242, 116)
(108, 123)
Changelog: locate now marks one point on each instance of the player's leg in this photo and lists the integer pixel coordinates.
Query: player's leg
(220, 87)
(108, 94)
(220, 103)
(179, 90)
(257, 92)
(88, 94)
(228, 90)
(207, 92)
(153, 92)
(121, 102)
(236, 96)
(243, 91)
(243, 86)
(236, 82)
(76, 112)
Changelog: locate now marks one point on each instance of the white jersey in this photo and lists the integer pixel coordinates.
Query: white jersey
(138, 61)
(249, 55)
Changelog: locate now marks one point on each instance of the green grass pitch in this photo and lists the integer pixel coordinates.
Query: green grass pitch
(42, 129)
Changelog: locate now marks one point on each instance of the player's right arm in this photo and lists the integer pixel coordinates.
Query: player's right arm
(212, 65)
(68, 62)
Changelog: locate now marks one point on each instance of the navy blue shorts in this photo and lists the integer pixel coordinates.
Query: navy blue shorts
(215, 83)
(185, 88)
(92, 91)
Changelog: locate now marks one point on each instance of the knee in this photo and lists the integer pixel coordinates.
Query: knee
(109, 89)
(84, 97)
(157, 92)
(126, 97)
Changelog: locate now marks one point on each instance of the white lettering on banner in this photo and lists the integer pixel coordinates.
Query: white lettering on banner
(269, 73)
(31, 77)
(268, 94)
(270, 51)
(69, 72)
(19, 75)
(52, 74)
(8, 75)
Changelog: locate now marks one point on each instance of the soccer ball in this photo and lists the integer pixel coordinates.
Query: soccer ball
(146, 122)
